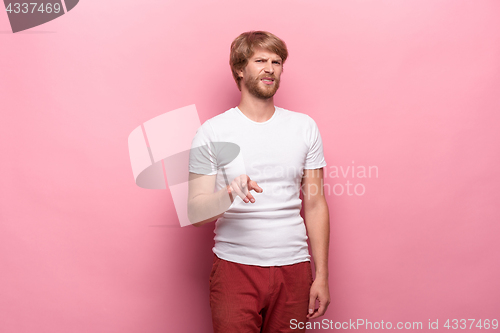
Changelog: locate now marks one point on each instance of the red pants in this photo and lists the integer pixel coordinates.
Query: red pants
(254, 299)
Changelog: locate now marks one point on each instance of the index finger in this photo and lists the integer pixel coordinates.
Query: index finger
(252, 185)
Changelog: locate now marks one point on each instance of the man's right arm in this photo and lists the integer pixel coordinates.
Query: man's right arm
(206, 206)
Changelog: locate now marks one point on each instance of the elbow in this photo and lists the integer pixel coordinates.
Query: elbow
(194, 219)
(199, 217)
(315, 205)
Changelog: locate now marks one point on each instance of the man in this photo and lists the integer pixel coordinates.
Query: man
(261, 279)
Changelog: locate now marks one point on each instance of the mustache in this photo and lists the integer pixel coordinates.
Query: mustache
(267, 76)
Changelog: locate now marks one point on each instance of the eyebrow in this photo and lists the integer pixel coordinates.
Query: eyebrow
(264, 58)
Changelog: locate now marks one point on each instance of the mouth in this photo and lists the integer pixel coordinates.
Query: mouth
(267, 80)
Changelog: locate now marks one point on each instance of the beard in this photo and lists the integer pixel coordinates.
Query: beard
(255, 88)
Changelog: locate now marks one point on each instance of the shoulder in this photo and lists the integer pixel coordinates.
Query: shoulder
(298, 117)
(223, 117)
(218, 121)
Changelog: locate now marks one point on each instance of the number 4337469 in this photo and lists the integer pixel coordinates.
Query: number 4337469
(33, 7)
(471, 323)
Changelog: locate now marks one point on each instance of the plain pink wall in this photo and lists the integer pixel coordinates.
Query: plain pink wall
(409, 87)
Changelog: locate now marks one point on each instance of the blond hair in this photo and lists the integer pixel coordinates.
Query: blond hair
(243, 47)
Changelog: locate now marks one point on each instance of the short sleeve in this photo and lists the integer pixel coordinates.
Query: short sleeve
(315, 158)
(202, 159)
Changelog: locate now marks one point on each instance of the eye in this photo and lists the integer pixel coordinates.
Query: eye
(277, 62)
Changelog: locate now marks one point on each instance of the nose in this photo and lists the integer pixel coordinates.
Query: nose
(269, 67)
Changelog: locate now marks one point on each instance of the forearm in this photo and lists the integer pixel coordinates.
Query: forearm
(317, 221)
(206, 208)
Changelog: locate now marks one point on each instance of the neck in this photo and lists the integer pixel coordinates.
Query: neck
(256, 109)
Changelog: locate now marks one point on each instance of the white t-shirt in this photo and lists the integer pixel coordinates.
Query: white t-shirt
(274, 153)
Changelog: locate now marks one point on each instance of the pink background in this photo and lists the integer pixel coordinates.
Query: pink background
(411, 87)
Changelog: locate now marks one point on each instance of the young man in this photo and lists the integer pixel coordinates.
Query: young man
(261, 279)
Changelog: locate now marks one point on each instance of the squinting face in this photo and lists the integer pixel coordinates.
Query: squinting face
(262, 74)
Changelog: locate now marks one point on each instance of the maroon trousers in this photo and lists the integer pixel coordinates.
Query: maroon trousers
(255, 299)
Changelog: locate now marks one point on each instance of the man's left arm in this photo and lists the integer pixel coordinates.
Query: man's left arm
(317, 222)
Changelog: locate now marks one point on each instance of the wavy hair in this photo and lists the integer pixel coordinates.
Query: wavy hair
(243, 47)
